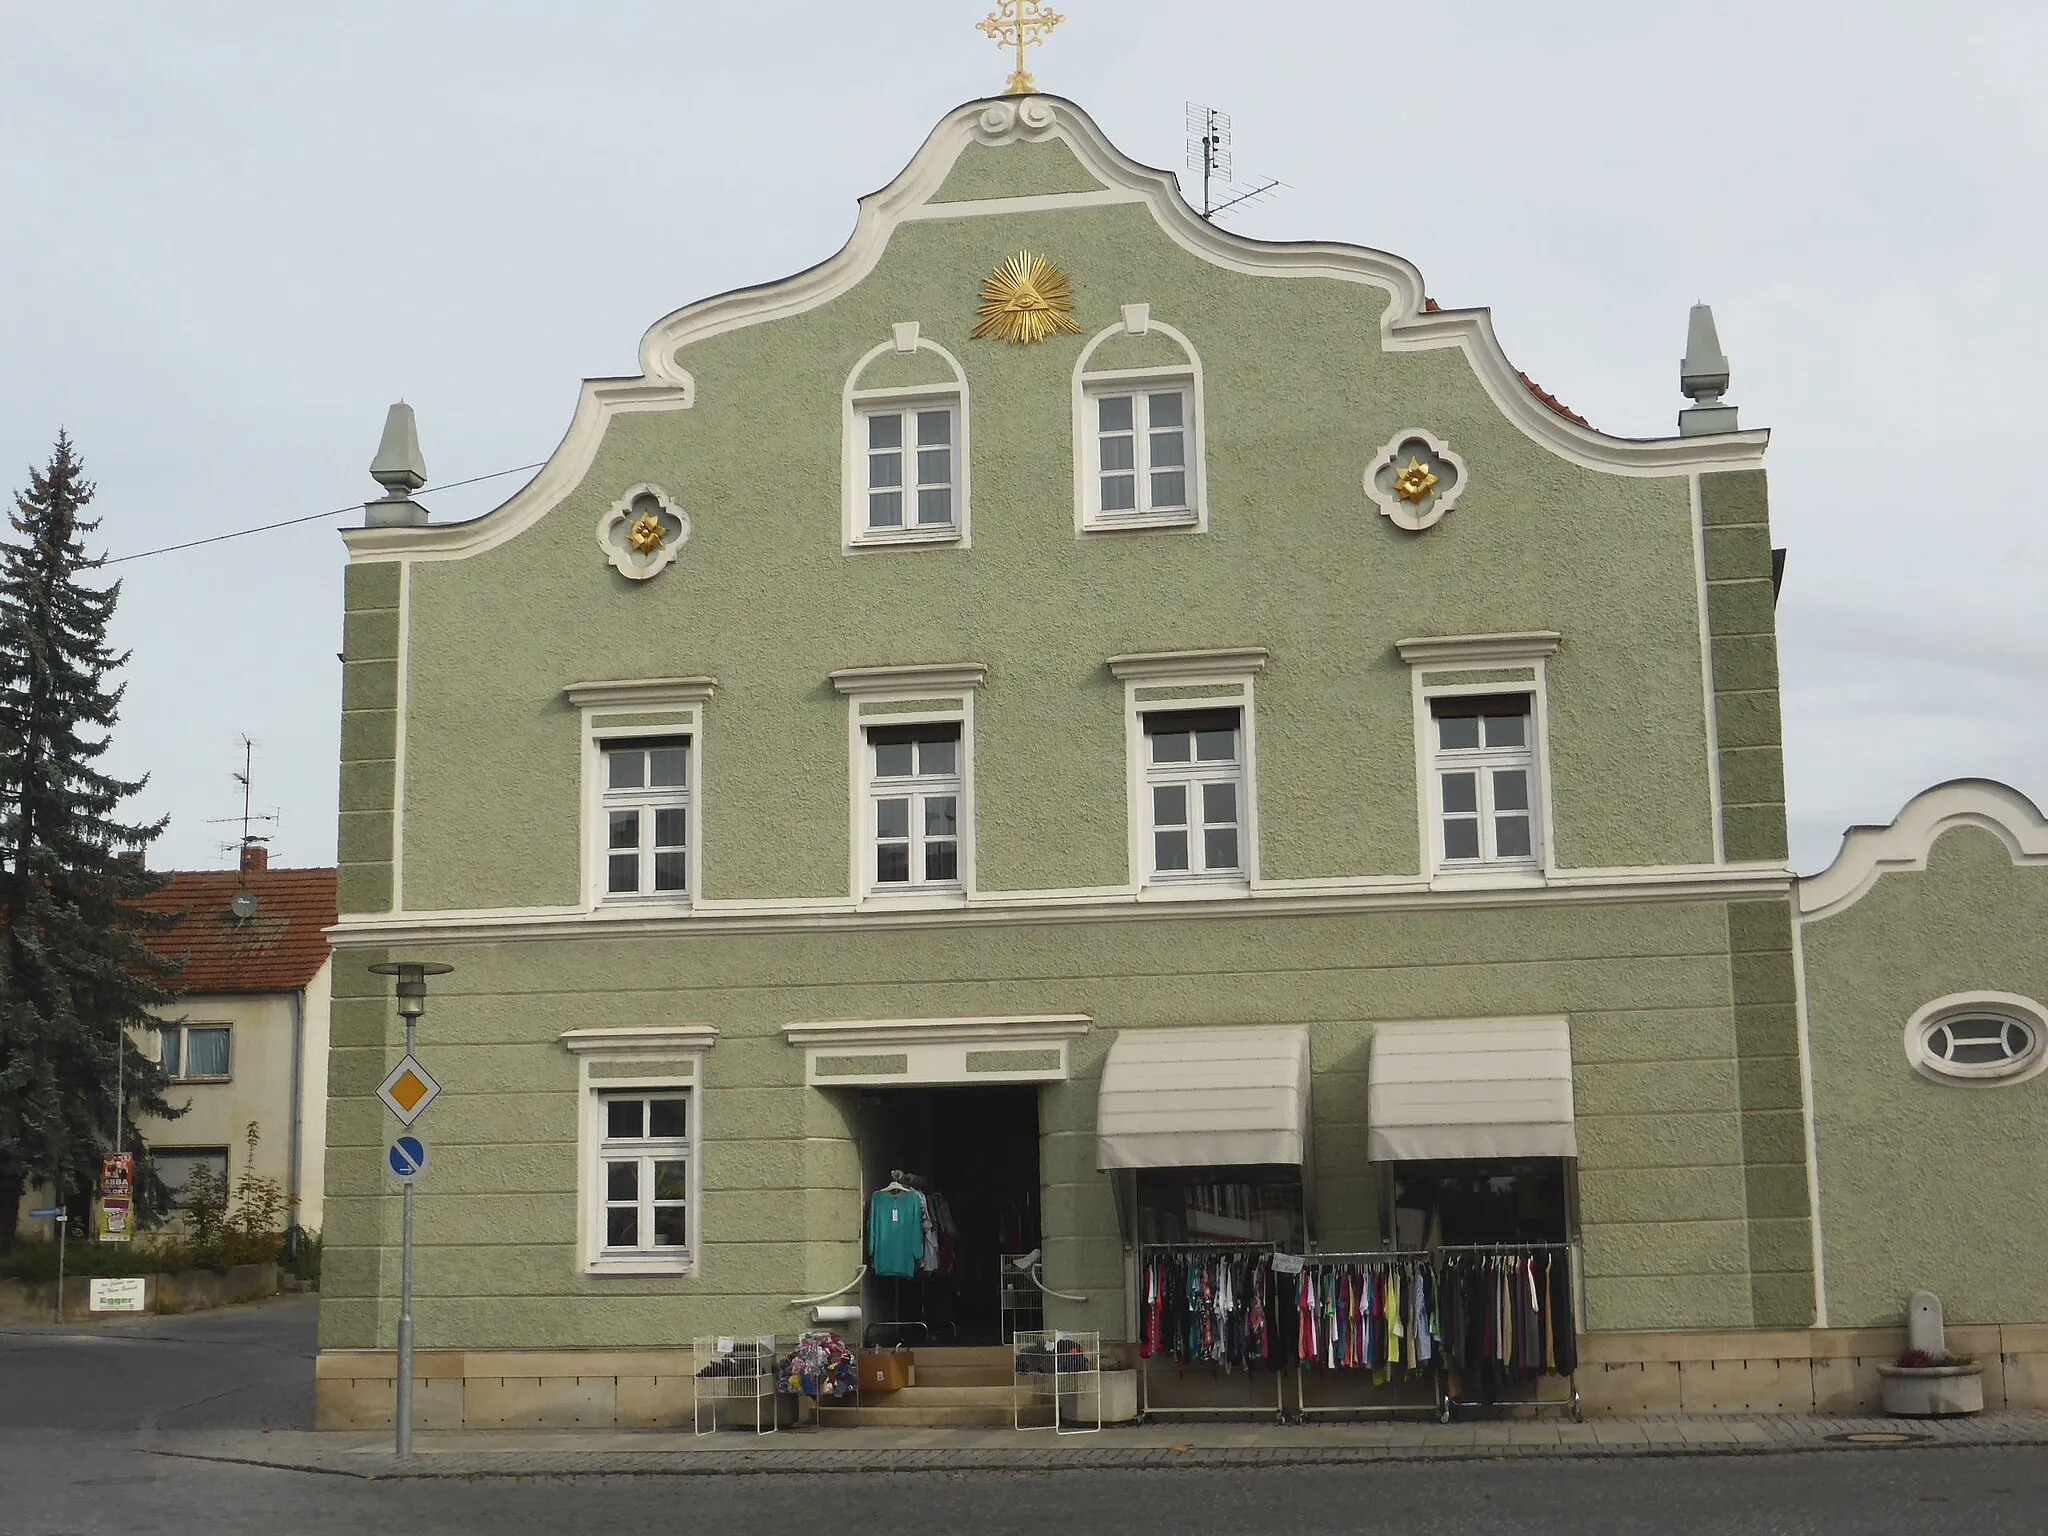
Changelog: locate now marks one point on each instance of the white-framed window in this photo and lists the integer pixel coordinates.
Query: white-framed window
(642, 1178)
(907, 468)
(1138, 430)
(640, 1147)
(1195, 792)
(912, 461)
(1191, 745)
(646, 810)
(1141, 460)
(198, 1053)
(1979, 1039)
(1483, 773)
(916, 788)
(643, 791)
(910, 752)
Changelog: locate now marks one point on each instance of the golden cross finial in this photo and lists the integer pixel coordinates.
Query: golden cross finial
(1013, 24)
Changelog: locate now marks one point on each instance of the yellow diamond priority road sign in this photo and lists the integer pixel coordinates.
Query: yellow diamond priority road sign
(408, 1090)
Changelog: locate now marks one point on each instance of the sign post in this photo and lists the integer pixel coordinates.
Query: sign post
(407, 1092)
(55, 1213)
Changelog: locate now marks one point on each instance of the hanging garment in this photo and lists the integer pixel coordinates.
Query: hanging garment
(1208, 1307)
(1564, 1316)
(896, 1219)
(928, 1255)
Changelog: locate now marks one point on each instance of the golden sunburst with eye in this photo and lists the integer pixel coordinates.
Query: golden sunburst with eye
(647, 535)
(1415, 480)
(1026, 299)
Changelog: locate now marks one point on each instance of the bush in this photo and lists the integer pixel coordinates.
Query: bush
(224, 1226)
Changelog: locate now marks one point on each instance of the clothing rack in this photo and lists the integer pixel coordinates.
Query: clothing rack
(1146, 1407)
(1570, 1253)
(1439, 1403)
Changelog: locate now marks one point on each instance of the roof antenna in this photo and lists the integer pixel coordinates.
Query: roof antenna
(250, 854)
(1209, 153)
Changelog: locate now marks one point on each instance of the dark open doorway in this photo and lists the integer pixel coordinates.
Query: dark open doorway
(973, 1152)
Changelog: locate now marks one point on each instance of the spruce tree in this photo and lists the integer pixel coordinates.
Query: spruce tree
(76, 981)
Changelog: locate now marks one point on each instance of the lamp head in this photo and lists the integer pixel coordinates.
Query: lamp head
(412, 982)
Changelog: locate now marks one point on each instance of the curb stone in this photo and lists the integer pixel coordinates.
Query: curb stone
(1662, 1439)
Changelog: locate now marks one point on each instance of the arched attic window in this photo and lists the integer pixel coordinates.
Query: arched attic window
(1139, 418)
(905, 469)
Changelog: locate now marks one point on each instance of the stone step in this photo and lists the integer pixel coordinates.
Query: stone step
(962, 1375)
(959, 1416)
(980, 1395)
(972, 1354)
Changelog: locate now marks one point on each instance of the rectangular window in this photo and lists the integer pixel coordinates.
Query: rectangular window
(640, 1186)
(1141, 453)
(176, 1165)
(1194, 783)
(916, 783)
(912, 478)
(1484, 760)
(197, 1053)
(646, 817)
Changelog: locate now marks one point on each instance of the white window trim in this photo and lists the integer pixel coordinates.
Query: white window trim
(1971, 1004)
(1230, 674)
(684, 1045)
(1458, 653)
(182, 1027)
(1482, 760)
(856, 402)
(902, 685)
(1088, 518)
(672, 696)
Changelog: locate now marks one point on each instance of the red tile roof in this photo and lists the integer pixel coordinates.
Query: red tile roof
(1430, 306)
(276, 950)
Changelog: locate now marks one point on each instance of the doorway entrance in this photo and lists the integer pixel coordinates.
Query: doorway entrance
(973, 1154)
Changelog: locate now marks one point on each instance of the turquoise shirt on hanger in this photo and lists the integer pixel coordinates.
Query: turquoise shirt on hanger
(896, 1232)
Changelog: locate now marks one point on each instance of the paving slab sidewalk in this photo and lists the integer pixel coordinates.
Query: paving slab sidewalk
(557, 1453)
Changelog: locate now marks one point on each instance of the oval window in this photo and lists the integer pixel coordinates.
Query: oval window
(1975, 1043)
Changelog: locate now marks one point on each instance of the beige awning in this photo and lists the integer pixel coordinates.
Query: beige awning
(1471, 1088)
(1203, 1098)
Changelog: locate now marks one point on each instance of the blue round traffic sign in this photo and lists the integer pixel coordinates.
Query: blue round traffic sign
(408, 1157)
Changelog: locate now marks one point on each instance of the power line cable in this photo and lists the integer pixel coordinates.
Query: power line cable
(311, 517)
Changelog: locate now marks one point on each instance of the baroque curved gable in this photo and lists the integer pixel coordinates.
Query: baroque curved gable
(1409, 321)
(1868, 852)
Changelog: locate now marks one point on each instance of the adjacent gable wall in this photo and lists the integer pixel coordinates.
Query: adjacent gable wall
(1924, 1184)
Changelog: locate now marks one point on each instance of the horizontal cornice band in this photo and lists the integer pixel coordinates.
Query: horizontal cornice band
(1706, 883)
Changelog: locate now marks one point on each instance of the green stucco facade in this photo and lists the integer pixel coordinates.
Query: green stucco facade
(1929, 1184)
(1660, 925)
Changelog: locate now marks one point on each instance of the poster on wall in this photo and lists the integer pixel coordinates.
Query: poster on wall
(114, 1218)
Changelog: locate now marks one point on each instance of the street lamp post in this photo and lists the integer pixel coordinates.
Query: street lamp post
(412, 1005)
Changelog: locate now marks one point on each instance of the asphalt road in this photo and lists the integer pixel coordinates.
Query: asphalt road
(79, 1409)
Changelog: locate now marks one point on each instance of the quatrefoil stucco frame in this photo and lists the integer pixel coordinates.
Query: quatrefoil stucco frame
(612, 533)
(1433, 508)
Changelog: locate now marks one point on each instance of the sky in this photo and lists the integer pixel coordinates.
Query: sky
(231, 234)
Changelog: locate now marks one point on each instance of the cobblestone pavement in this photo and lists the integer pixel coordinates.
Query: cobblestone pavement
(576, 1453)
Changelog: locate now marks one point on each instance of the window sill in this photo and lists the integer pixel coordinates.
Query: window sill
(199, 1082)
(1130, 522)
(642, 906)
(897, 538)
(1195, 888)
(641, 1264)
(1496, 877)
(927, 899)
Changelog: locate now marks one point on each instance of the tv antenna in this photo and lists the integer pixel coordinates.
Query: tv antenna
(250, 818)
(1209, 153)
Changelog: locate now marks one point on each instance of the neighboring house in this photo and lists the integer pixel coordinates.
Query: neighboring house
(247, 1041)
(1208, 750)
